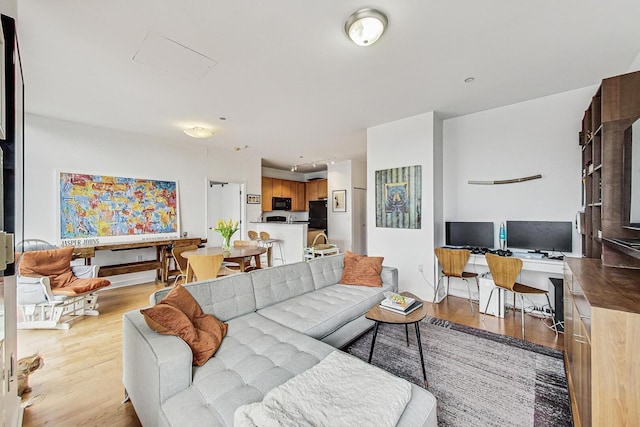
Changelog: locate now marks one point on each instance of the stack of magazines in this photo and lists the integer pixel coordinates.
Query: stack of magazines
(399, 304)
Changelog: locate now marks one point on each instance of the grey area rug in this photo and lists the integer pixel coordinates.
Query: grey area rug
(478, 378)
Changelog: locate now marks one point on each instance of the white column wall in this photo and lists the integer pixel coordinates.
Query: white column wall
(340, 223)
(407, 142)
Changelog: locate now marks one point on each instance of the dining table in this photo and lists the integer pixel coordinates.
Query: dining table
(237, 254)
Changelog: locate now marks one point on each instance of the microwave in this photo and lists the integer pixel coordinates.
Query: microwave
(281, 203)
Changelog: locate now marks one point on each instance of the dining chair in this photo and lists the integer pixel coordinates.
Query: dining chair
(505, 271)
(253, 235)
(204, 267)
(247, 262)
(181, 262)
(453, 262)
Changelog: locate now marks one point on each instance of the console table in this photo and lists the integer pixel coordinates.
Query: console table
(162, 263)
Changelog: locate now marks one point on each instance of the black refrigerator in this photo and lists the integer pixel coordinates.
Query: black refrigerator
(318, 215)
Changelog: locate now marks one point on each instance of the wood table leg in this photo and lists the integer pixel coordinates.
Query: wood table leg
(373, 341)
(257, 258)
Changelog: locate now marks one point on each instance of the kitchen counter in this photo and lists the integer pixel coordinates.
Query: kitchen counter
(293, 238)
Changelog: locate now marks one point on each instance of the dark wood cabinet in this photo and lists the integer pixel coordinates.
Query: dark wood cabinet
(613, 108)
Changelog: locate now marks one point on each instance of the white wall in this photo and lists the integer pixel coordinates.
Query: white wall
(539, 136)
(534, 137)
(9, 8)
(53, 145)
(407, 142)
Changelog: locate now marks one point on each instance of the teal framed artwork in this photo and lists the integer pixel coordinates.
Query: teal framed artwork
(399, 197)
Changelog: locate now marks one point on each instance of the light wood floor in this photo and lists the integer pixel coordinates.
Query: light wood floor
(82, 378)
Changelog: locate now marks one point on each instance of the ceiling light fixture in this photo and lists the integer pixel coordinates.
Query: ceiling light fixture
(199, 132)
(469, 79)
(314, 163)
(365, 26)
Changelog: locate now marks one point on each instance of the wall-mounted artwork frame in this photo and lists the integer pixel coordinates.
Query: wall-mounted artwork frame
(253, 199)
(339, 201)
(399, 197)
(96, 209)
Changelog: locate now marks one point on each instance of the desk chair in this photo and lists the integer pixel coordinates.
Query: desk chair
(453, 262)
(505, 271)
(204, 267)
(181, 262)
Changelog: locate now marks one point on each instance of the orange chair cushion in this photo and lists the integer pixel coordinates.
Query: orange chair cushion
(180, 314)
(56, 264)
(361, 270)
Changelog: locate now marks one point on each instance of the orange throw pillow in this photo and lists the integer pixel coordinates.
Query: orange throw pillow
(205, 332)
(55, 263)
(361, 270)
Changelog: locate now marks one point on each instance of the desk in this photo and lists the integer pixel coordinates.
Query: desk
(235, 254)
(161, 264)
(535, 272)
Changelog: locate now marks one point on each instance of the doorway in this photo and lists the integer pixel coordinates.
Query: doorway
(360, 221)
(224, 201)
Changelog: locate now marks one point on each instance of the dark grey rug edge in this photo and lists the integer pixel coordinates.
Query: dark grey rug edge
(552, 406)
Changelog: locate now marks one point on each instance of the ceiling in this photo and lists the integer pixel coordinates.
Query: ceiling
(292, 87)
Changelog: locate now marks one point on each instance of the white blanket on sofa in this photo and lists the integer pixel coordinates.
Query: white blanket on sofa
(339, 391)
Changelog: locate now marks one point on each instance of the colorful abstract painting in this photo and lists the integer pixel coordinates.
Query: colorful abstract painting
(97, 206)
(399, 197)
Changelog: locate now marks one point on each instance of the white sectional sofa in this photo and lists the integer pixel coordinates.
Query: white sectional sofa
(281, 322)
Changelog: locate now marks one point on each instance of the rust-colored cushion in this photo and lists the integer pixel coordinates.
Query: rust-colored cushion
(168, 320)
(208, 331)
(55, 263)
(80, 286)
(361, 270)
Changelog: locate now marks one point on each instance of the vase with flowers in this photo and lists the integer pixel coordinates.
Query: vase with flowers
(226, 230)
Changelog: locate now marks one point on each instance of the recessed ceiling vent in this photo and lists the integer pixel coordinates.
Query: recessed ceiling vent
(167, 55)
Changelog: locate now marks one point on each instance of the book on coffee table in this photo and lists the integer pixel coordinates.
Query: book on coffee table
(414, 306)
(397, 301)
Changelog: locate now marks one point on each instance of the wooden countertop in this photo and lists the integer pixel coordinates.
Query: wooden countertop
(607, 287)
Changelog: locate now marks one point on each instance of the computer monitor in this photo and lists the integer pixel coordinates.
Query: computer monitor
(540, 235)
(474, 234)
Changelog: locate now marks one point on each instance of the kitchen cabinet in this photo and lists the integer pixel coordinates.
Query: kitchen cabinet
(322, 189)
(267, 193)
(275, 187)
(299, 201)
(316, 190)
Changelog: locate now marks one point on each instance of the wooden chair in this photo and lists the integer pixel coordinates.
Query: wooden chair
(181, 262)
(247, 262)
(505, 271)
(204, 267)
(253, 235)
(453, 262)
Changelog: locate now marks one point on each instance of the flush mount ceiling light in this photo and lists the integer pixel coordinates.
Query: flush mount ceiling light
(365, 26)
(199, 132)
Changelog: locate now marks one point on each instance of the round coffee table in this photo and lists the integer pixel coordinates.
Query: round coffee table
(380, 315)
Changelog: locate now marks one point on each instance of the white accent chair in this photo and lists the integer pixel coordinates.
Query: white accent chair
(40, 308)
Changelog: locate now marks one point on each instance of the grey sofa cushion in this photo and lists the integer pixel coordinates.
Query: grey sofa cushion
(321, 312)
(273, 285)
(327, 270)
(225, 297)
(256, 355)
